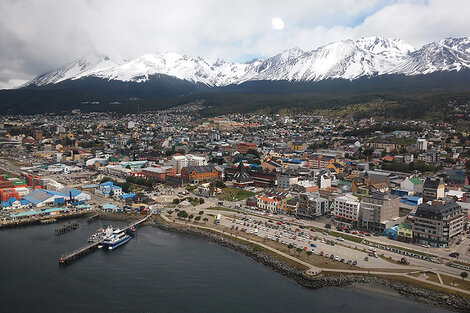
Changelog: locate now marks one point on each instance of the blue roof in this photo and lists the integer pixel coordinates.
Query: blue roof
(23, 202)
(411, 198)
(5, 204)
(12, 199)
(40, 195)
(55, 193)
(128, 195)
(409, 202)
(109, 206)
(108, 183)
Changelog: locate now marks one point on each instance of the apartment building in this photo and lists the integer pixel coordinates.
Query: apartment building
(312, 205)
(433, 188)
(438, 224)
(379, 211)
(346, 210)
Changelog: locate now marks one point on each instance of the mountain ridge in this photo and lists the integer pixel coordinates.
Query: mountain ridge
(347, 59)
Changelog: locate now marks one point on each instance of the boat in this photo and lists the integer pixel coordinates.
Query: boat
(114, 238)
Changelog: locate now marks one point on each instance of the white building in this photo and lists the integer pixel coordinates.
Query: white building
(414, 185)
(178, 162)
(346, 209)
(268, 203)
(422, 144)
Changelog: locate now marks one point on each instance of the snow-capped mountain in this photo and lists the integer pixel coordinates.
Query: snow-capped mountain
(83, 67)
(348, 59)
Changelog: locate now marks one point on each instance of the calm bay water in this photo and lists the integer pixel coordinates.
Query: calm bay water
(160, 272)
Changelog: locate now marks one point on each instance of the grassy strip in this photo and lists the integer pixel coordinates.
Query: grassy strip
(402, 249)
(219, 208)
(456, 282)
(345, 236)
(423, 284)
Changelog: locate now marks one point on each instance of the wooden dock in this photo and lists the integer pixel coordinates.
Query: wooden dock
(72, 256)
(66, 228)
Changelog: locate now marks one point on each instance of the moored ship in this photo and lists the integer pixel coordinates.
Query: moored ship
(114, 238)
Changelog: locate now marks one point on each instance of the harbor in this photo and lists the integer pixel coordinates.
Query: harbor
(151, 272)
(96, 241)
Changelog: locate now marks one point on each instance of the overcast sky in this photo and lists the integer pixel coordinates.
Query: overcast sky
(37, 36)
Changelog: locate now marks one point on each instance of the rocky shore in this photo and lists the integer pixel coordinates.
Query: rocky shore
(448, 301)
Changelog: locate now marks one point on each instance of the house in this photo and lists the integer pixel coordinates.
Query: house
(108, 189)
(414, 185)
(405, 232)
(269, 165)
(338, 168)
(243, 147)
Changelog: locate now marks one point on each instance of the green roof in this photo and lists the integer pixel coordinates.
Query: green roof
(403, 225)
(415, 181)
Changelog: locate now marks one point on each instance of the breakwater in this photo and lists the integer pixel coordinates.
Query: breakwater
(453, 302)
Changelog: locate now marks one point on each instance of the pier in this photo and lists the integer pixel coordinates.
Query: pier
(37, 220)
(137, 223)
(72, 256)
(66, 228)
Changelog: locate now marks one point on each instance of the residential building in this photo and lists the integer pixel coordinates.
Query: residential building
(405, 232)
(346, 210)
(312, 205)
(437, 224)
(379, 211)
(415, 185)
(433, 188)
(285, 181)
(421, 144)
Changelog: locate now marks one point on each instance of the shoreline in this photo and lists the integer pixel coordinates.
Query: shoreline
(388, 286)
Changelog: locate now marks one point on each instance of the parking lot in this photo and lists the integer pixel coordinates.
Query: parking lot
(320, 244)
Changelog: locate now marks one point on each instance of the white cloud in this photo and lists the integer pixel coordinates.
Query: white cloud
(38, 36)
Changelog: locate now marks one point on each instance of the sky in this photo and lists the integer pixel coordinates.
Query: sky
(38, 36)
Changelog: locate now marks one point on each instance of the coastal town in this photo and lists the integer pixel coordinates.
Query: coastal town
(327, 195)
